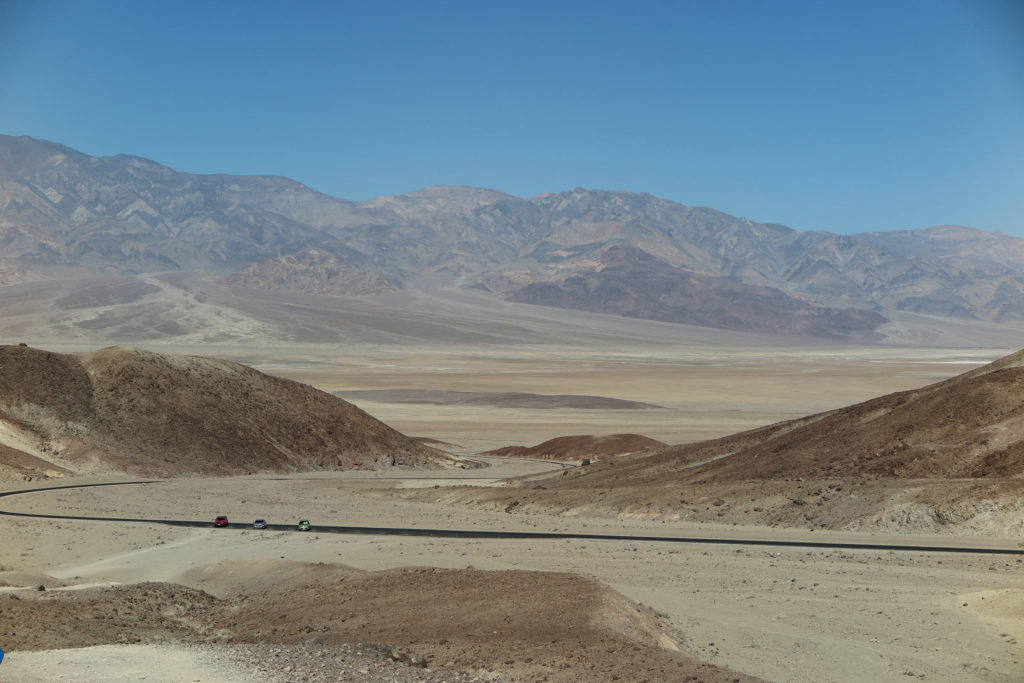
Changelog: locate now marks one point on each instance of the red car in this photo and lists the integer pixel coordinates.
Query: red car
(221, 521)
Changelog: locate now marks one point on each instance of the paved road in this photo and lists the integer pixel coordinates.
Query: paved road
(463, 533)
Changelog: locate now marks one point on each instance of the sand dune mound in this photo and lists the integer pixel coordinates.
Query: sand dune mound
(580, 447)
(152, 414)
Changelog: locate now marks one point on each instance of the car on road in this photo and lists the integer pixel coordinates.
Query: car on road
(304, 525)
(220, 521)
(259, 524)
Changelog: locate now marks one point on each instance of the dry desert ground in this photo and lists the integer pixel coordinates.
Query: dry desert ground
(752, 612)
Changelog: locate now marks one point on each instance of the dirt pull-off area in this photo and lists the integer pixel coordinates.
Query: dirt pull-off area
(518, 625)
(124, 409)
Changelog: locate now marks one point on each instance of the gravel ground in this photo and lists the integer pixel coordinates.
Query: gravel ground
(315, 663)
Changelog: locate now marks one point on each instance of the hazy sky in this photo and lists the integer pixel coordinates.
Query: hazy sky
(824, 114)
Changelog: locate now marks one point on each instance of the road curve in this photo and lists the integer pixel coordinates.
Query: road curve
(519, 535)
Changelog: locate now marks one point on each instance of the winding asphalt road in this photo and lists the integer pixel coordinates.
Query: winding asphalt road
(462, 533)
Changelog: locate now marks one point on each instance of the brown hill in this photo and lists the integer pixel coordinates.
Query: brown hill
(946, 458)
(580, 447)
(523, 625)
(152, 414)
(970, 426)
(528, 625)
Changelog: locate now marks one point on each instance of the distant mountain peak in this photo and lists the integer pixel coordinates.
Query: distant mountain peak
(63, 212)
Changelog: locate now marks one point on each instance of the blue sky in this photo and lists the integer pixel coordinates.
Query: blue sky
(822, 115)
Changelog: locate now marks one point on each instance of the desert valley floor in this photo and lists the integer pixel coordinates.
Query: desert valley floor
(772, 613)
(696, 395)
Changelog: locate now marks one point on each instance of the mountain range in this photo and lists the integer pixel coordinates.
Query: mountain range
(65, 214)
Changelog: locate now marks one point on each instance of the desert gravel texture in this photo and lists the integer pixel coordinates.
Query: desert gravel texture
(264, 663)
(733, 612)
(777, 614)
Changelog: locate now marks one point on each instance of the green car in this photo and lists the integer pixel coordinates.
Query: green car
(303, 525)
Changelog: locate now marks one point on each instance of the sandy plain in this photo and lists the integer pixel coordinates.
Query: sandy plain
(784, 614)
(702, 391)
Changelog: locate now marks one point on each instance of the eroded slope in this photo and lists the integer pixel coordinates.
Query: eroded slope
(520, 625)
(154, 414)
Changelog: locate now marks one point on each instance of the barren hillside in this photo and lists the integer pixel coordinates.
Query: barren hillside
(971, 426)
(152, 414)
(527, 625)
(580, 447)
(633, 283)
(948, 457)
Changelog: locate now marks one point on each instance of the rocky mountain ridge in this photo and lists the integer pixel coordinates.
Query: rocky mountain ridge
(632, 283)
(65, 213)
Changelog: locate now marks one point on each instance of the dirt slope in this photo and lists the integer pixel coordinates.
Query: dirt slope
(970, 426)
(521, 625)
(131, 410)
(18, 465)
(946, 458)
(580, 447)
